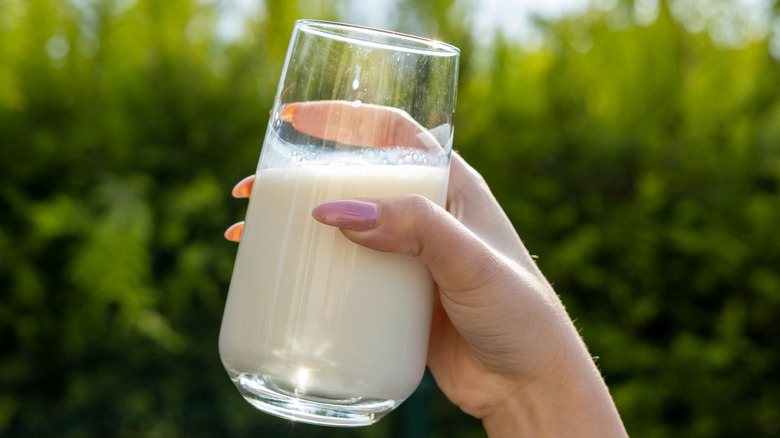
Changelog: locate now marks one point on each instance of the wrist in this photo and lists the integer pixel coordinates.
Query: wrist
(571, 400)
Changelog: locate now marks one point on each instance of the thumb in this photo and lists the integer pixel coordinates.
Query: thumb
(413, 225)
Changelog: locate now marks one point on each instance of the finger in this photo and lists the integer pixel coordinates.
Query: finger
(414, 225)
(470, 200)
(363, 125)
(234, 232)
(244, 187)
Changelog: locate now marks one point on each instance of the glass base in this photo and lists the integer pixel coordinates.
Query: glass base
(272, 398)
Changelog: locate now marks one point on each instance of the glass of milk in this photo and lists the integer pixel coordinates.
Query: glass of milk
(316, 328)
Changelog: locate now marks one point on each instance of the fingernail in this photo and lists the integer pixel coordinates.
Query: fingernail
(244, 187)
(350, 214)
(233, 233)
(288, 112)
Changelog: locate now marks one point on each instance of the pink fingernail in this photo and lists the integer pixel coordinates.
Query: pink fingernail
(244, 187)
(349, 214)
(288, 112)
(233, 233)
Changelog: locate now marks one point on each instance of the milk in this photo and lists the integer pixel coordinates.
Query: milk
(313, 314)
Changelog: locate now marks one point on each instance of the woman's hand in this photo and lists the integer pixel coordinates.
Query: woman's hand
(502, 346)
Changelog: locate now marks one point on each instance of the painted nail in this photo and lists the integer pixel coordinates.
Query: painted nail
(288, 112)
(233, 233)
(244, 187)
(350, 214)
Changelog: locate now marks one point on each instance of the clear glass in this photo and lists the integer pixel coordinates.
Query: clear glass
(316, 328)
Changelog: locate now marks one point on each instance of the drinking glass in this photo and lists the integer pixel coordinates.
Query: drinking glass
(316, 328)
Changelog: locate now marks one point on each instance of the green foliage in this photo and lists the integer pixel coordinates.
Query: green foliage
(640, 163)
(644, 174)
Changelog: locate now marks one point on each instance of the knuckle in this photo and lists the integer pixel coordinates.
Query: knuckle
(421, 224)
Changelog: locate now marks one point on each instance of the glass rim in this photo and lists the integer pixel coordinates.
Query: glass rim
(372, 36)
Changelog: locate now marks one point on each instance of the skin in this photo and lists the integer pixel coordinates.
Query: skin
(502, 346)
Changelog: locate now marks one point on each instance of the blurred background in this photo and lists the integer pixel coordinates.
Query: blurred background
(635, 145)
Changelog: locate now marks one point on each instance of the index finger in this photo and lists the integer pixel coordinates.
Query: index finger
(359, 124)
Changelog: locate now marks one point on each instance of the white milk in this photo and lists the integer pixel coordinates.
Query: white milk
(316, 314)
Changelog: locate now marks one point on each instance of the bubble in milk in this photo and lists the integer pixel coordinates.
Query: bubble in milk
(296, 158)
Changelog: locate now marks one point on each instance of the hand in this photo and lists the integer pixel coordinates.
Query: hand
(502, 346)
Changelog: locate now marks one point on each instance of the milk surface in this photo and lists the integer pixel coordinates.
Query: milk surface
(315, 313)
